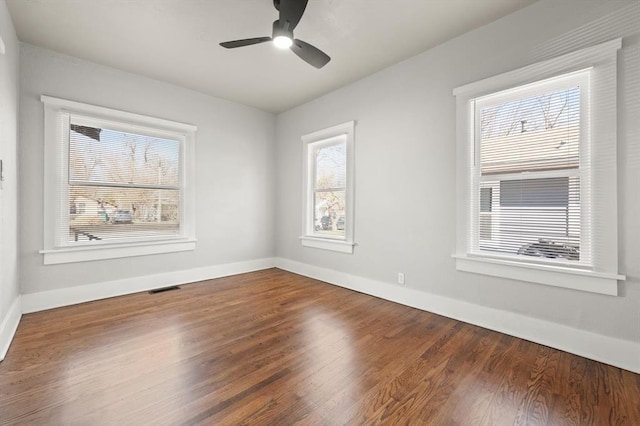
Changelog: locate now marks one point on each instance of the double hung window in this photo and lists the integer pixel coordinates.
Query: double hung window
(537, 172)
(328, 199)
(116, 184)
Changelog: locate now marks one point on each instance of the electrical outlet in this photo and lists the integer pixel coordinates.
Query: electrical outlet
(400, 277)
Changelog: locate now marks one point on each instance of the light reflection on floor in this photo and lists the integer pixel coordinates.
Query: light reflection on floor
(328, 338)
(124, 371)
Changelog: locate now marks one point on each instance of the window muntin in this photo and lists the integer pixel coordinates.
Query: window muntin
(528, 158)
(128, 183)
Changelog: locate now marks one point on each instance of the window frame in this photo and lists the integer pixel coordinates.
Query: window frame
(600, 275)
(578, 78)
(309, 237)
(58, 114)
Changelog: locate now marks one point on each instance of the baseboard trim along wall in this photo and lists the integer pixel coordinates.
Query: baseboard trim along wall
(9, 326)
(617, 352)
(33, 302)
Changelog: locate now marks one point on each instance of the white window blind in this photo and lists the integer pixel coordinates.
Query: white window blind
(528, 171)
(122, 185)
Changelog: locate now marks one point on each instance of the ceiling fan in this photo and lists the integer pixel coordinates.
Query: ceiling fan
(290, 13)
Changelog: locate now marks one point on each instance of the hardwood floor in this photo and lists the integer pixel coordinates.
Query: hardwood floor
(275, 348)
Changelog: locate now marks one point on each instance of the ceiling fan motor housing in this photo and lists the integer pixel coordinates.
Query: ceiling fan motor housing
(279, 30)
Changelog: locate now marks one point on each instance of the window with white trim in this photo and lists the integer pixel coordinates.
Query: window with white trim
(328, 199)
(116, 184)
(537, 173)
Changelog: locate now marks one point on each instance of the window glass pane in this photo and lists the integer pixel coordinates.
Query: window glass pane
(329, 212)
(330, 182)
(551, 192)
(539, 133)
(103, 213)
(534, 218)
(535, 133)
(331, 166)
(110, 156)
(486, 198)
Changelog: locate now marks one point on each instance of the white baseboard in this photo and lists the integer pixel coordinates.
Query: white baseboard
(9, 326)
(617, 352)
(33, 302)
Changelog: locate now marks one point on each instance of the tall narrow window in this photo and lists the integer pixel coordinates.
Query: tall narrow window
(328, 207)
(117, 184)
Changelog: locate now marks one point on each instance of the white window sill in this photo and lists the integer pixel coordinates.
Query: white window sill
(113, 251)
(558, 276)
(341, 246)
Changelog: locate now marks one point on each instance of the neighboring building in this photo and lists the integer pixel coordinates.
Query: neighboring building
(88, 211)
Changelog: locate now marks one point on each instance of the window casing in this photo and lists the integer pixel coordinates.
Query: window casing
(328, 191)
(116, 184)
(537, 173)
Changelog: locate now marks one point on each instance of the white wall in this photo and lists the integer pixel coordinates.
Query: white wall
(234, 169)
(405, 164)
(9, 289)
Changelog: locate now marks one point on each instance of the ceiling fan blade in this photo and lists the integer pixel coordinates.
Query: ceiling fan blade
(244, 42)
(310, 54)
(290, 12)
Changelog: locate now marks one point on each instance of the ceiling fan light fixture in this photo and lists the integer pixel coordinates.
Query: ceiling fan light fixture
(282, 42)
(289, 14)
(282, 35)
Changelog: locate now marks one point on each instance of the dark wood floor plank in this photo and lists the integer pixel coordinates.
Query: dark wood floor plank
(275, 348)
(312, 389)
(328, 353)
(509, 368)
(461, 368)
(379, 384)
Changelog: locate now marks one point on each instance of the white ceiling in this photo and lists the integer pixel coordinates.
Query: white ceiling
(177, 40)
